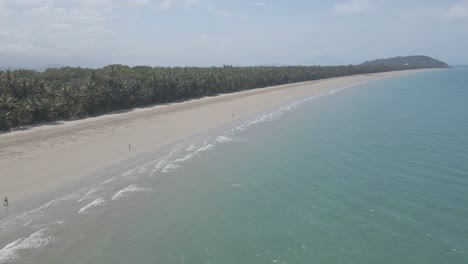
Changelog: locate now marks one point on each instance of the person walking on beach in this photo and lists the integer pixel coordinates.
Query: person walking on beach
(129, 147)
(5, 202)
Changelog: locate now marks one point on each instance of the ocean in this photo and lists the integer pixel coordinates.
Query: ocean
(374, 173)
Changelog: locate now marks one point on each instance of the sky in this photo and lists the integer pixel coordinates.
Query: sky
(94, 33)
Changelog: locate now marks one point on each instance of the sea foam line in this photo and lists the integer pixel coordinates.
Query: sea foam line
(35, 240)
(99, 201)
(269, 116)
(164, 161)
(18, 220)
(126, 192)
(224, 139)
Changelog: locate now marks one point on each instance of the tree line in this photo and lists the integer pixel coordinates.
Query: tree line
(30, 97)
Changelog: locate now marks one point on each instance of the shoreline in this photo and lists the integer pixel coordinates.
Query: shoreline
(45, 158)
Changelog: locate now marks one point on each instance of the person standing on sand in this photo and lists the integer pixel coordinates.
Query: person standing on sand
(5, 202)
(129, 147)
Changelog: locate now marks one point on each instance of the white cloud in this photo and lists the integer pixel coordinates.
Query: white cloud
(57, 39)
(94, 4)
(228, 14)
(177, 3)
(352, 7)
(58, 27)
(259, 4)
(224, 13)
(109, 3)
(55, 13)
(457, 11)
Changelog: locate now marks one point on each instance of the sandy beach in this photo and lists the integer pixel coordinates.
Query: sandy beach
(42, 159)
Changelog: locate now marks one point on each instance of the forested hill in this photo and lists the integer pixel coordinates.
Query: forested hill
(28, 97)
(410, 62)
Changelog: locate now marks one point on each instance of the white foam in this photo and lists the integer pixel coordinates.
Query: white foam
(99, 201)
(186, 158)
(19, 220)
(164, 161)
(224, 139)
(130, 172)
(183, 159)
(153, 174)
(241, 127)
(27, 223)
(126, 192)
(149, 166)
(90, 194)
(73, 196)
(112, 179)
(347, 86)
(192, 147)
(35, 240)
(272, 115)
(171, 163)
(205, 148)
(170, 167)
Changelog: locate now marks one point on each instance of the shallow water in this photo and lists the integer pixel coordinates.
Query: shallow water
(375, 173)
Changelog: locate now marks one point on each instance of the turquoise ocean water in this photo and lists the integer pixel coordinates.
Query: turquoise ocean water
(376, 173)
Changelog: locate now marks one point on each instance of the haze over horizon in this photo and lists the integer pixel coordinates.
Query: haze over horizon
(94, 33)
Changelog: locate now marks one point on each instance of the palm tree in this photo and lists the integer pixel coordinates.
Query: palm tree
(7, 106)
(28, 96)
(23, 114)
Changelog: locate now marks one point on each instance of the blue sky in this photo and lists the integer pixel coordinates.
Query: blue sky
(94, 33)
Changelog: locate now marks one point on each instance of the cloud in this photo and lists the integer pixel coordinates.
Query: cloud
(352, 7)
(52, 12)
(261, 4)
(58, 27)
(228, 14)
(224, 13)
(177, 3)
(110, 3)
(61, 40)
(456, 11)
(75, 3)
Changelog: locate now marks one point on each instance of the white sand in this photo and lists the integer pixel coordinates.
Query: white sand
(44, 158)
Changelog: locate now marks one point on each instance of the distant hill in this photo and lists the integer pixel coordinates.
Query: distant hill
(412, 62)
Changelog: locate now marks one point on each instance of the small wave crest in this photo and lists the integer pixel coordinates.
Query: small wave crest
(91, 193)
(192, 147)
(170, 167)
(205, 148)
(37, 239)
(164, 161)
(85, 210)
(126, 192)
(224, 139)
(27, 217)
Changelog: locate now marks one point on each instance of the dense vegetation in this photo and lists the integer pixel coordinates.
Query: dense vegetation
(28, 97)
(417, 61)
